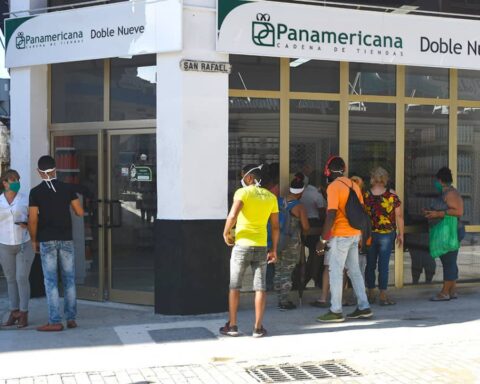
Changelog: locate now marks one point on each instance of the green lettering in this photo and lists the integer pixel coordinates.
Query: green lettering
(292, 34)
(315, 37)
(377, 41)
(281, 29)
(330, 36)
(398, 42)
(303, 35)
(387, 42)
(342, 38)
(367, 40)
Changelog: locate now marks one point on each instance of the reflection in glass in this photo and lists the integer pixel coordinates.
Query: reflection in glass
(426, 151)
(426, 82)
(77, 91)
(133, 208)
(372, 79)
(372, 139)
(77, 164)
(314, 76)
(133, 88)
(468, 84)
(314, 129)
(423, 268)
(254, 72)
(468, 163)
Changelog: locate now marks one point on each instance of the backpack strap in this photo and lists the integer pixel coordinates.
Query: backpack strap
(346, 184)
(292, 204)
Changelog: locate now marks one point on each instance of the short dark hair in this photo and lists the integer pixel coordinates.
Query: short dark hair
(46, 162)
(298, 181)
(444, 174)
(337, 164)
(254, 170)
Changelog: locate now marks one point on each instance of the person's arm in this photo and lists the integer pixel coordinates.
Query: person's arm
(231, 221)
(455, 207)
(77, 207)
(400, 225)
(275, 225)
(32, 226)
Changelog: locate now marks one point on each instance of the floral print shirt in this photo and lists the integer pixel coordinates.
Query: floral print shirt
(381, 209)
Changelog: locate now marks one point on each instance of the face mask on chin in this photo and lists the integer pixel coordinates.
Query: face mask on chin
(49, 179)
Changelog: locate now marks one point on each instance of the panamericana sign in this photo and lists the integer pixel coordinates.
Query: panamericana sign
(269, 28)
(121, 29)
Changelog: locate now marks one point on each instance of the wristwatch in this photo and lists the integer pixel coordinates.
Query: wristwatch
(323, 241)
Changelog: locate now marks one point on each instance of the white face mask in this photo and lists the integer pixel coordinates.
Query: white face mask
(49, 179)
(257, 182)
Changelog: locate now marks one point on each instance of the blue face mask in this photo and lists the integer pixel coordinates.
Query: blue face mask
(438, 186)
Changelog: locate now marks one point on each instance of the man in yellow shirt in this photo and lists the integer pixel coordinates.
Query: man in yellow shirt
(253, 206)
(343, 244)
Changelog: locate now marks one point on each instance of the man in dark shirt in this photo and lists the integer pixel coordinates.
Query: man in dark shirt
(50, 227)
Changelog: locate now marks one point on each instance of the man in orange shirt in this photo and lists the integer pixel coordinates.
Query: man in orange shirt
(343, 244)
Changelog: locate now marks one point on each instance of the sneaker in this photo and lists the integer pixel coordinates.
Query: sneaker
(259, 332)
(360, 314)
(229, 330)
(331, 317)
(286, 306)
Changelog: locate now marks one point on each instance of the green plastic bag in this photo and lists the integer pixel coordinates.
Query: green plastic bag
(443, 236)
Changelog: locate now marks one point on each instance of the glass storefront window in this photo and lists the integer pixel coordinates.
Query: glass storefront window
(426, 82)
(314, 76)
(133, 88)
(254, 73)
(468, 163)
(314, 127)
(372, 139)
(77, 91)
(372, 79)
(468, 85)
(426, 151)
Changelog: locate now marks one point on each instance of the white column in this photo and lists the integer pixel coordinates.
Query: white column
(29, 125)
(192, 127)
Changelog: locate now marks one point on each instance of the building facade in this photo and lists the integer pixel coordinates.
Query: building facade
(154, 130)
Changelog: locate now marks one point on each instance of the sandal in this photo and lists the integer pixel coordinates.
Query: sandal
(320, 304)
(386, 301)
(440, 297)
(372, 299)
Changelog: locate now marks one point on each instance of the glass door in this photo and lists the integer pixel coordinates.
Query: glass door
(79, 163)
(131, 209)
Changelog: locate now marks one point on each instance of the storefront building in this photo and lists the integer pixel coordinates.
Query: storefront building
(155, 126)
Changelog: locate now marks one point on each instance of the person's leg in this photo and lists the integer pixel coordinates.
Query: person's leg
(280, 279)
(325, 284)
(338, 255)
(24, 260)
(259, 268)
(385, 251)
(67, 265)
(372, 257)
(450, 273)
(48, 255)
(238, 264)
(8, 262)
(353, 270)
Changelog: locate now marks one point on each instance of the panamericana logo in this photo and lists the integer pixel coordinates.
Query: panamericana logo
(20, 42)
(263, 32)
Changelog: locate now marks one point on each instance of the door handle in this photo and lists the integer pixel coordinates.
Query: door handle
(115, 213)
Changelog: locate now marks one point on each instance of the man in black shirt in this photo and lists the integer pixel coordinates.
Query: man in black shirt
(50, 226)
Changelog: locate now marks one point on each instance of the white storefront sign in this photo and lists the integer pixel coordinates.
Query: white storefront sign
(268, 28)
(204, 66)
(112, 30)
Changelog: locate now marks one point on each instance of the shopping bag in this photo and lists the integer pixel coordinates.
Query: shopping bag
(443, 237)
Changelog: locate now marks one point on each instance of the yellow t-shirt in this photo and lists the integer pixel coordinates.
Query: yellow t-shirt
(258, 205)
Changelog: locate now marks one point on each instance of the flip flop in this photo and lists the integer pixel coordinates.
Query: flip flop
(440, 297)
(386, 302)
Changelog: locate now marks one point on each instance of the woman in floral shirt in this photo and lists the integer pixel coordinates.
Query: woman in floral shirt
(383, 207)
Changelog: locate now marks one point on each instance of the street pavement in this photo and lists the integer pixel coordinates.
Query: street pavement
(415, 341)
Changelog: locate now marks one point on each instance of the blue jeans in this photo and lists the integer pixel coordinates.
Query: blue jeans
(379, 251)
(51, 252)
(343, 253)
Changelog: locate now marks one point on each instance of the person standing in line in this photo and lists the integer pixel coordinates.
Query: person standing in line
(314, 204)
(16, 253)
(289, 257)
(50, 226)
(343, 244)
(384, 208)
(253, 206)
(449, 203)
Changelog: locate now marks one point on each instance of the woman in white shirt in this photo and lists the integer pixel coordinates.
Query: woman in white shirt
(16, 252)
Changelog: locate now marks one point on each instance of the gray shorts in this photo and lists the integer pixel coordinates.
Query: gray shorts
(242, 257)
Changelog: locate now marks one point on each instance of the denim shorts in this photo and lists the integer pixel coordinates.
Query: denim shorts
(244, 256)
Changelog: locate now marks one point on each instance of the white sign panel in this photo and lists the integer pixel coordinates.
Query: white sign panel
(122, 29)
(268, 28)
